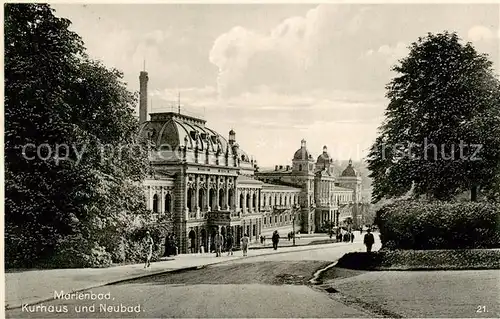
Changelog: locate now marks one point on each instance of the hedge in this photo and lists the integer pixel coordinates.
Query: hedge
(439, 225)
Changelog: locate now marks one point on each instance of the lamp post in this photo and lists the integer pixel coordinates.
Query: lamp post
(295, 208)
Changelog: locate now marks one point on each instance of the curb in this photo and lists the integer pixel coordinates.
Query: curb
(159, 272)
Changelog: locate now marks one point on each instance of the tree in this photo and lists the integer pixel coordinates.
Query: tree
(440, 135)
(72, 168)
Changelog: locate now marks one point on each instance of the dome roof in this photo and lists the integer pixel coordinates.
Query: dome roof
(175, 131)
(302, 153)
(349, 171)
(324, 158)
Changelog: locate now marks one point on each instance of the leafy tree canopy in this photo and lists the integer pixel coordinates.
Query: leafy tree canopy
(441, 135)
(72, 165)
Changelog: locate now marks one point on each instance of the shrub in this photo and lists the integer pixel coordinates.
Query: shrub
(439, 225)
(78, 252)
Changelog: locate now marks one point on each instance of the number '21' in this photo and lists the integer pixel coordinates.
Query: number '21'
(481, 309)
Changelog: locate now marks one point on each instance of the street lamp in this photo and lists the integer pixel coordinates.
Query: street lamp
(296, 207)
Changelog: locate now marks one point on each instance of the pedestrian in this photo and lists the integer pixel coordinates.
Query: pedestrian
(148, 245)
(352, 237)
(218, 241)
(368, 240)
(229, 244)
(276, 239)
(167, 246)
(244, 244)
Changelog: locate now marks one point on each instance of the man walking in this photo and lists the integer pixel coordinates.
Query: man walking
(148, 245)
(368, 240)
(276, 239)
(218, 241)
(229, 244)
(244, 244)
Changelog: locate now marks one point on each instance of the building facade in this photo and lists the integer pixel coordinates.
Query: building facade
(208, 183)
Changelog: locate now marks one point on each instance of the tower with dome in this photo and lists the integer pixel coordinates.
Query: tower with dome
(326, 196)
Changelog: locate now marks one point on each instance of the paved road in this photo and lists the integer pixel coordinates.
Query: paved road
(263, 286)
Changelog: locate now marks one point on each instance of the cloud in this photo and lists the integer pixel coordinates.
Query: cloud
(392, 53)
(479, 33)
(280, 59)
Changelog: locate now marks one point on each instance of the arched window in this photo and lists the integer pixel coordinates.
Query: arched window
(242, 199)
(212, 198)
(190, 200)
(230, 197)
(270, 220)
(221, 198)
(248, 201)
(254, 201)
(201, 198)
(281, 200)
(300, 167)
(155, 203)
(275, 200)
(168, 203)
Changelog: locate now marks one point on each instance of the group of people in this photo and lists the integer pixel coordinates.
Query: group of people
(345, 237)
(219, 242)
(292, 235)
(348, 236)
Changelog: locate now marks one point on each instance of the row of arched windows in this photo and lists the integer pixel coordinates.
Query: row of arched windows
(280, 200)
(286, 218)
(343, 198)
(212, 198)
(167, 203)
(247, 200)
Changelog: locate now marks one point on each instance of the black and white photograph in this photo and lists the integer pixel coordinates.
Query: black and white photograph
(251, 160)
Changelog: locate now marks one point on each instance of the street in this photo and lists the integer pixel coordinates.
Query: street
(274, 285)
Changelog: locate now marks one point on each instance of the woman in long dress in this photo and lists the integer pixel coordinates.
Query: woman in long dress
(244, 244)
(149, 249)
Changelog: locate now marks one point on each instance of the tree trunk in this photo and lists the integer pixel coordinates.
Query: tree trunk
(473, 194)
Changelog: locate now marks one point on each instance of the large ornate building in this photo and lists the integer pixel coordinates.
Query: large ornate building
(208, 183)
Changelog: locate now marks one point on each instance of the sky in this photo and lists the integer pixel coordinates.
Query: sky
(275, 73)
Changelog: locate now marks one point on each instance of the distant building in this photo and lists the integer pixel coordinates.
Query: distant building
(209, 183)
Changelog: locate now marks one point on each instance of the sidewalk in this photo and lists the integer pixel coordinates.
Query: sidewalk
(35, 286)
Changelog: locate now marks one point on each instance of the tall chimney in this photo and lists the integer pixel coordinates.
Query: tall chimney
(143, 97)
